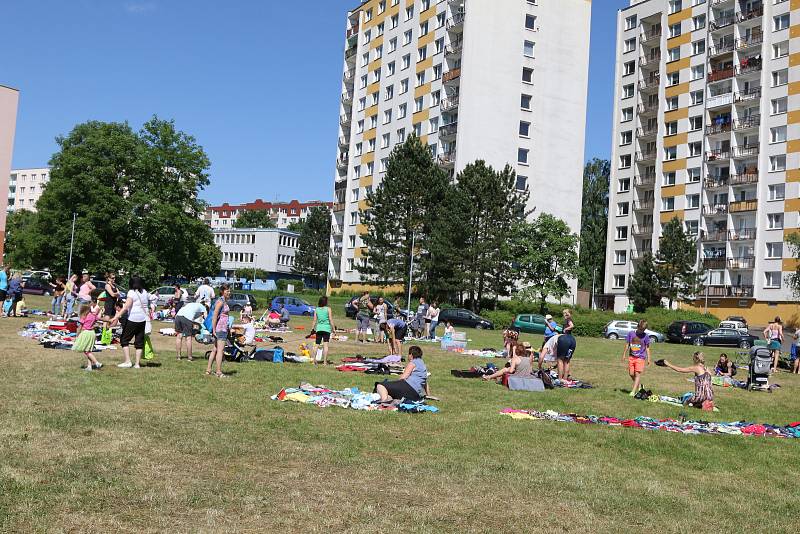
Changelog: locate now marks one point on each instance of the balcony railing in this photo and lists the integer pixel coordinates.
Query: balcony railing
(742, 234)
(716, 155)
(744, 178)
(721, 47)
(652, 83)
(654, 33)
(451, 75)
(344, 141)
(344, 120)
(717, 128)
(729, 291)
(743, 205)
(350, 52)
(743, 262)
(745, 124)
(642, 230)
(448, 130)
(715, 209)
(454, 47)
(722, 74)
(714, 263)
(719, 100)
(349, 75)
(643, 205)
(456, 22)
(639, 254)
(646, 156)
(752, 65)
(448, 104)
(338, 206)
(342, 162)
(347, 98)
(648, 108)
(653, 60)
(644, 180)
(715, 182)
(747, 42)
(722, 22)
(352, 31)
(751, 14)
(447, 159)
(717, 236)
(745, 151)
(647, 132)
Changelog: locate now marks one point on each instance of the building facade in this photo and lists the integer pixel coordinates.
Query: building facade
(707, 129)
(9, 100)
(504, 82)
(25, 187)
(245, 249)
(283, 213)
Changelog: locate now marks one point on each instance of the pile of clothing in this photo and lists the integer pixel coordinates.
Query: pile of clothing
(648, 395)
(352, 398)
(485, 353)
(740, 428)
(388, 365)
(567, 383)
(474, 372)
(57, 334)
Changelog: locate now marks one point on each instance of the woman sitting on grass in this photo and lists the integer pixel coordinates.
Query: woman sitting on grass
(724, 366)
(413, 382)
(519, 365)
(703, 394)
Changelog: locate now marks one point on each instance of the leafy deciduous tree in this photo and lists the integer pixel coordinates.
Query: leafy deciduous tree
(594, 222)
(675, 262)
(254, 219)
(644, 286)
(311, 258)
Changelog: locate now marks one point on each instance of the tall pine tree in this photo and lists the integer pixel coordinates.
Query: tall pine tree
(644, 287)
(676, 260)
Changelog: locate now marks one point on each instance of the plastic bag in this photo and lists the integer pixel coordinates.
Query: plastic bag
(149, 353)
(106, 337)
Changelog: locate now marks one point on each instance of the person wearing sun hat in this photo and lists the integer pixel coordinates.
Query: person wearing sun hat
(550, 329)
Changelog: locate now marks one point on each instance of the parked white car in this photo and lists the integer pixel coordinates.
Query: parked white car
(734, 325)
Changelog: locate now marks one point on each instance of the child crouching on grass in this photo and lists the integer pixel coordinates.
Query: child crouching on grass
(86, 336)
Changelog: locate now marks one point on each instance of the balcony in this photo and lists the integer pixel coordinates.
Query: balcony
(714, 210)
(742, 234)
(740, 206)
(644, 180)
(653, 60)
(714, 263)
(456, 22)
(746, 96)
(746, 124)
(447, 159)
(647, 109)
(746, 151)
(754, 40)
(342, 162)
(344, 141)
(745, 178)
(718, 236)
(350, 52)
(451, 75)
(722, 22)
(742, 262)
(352, 31)
(344, 120)
(454, 48)
(718, 155)
(751, 14)
(652, 83)
(651, 35)
(715, 182)
(347, 98)
(639, 254)
(645, 156)
(338, 206)
(647, 132)
(749, 66)
(718, 128)
(643, 205)
(642, 230)
(721, 74)
(449, 104)
(448, 130)
(716, 101)
(349, 76)
(729, 291)
(722, 47)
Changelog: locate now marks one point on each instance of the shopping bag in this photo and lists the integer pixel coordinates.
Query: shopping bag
(105, 337)
(149, 353)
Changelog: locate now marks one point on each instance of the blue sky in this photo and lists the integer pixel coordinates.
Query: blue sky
(259, 92)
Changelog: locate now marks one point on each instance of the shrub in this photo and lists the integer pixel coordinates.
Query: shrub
(500, 318)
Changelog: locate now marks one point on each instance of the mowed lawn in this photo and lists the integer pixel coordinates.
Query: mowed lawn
(166, 448)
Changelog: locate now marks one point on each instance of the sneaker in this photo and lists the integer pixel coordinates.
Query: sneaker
(125, 365)
(632, 394)
(136, 366)
(87, 368)
(98, 365)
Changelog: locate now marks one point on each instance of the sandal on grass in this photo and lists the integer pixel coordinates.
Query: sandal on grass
(221, 375)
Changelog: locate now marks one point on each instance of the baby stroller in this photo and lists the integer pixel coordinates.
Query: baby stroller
(760, 364)
(235, 350)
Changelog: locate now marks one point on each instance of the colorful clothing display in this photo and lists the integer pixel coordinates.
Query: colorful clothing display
(352, 398)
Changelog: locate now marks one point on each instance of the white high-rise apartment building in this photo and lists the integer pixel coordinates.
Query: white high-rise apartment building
(25, 187)
(502, 81)
(9, 100)
(707, 129)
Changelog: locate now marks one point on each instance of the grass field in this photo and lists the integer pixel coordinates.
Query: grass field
(166, 448)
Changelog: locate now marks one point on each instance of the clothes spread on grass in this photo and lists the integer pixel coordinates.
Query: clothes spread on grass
(57, 334)
(728, 382)
(388, 365)
(741, 428)
(648, 395)
(474, 372)
(352, 398)
(568, 383)
(485, 353)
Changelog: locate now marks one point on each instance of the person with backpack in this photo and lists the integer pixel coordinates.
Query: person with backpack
(137, 306)
(637, 349)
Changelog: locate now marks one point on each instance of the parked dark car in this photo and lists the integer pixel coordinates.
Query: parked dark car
(239, 300)
(462, 317)
(726, 337)
(350, 310)
(37, 286)
(101, 285)
(686, 331)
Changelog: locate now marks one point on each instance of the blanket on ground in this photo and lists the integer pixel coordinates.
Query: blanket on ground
(741, 428)
(352, 398)
(665, 399)
(568, 383)
(371, 368)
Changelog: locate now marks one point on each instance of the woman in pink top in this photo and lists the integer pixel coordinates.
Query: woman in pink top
(86, 336)
(85, 291)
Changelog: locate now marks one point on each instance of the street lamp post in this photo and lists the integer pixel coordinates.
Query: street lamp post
(71, 244)
(591, 303)
(411, 272)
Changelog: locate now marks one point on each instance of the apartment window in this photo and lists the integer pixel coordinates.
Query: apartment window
(360, 126)
(780, 49)
(530, 22)
(669, 178)
(692, 227)
(419, 103)
(358, 149)
(627, 114)
(775, 221)
(437, 71)
(693, 175)
(622, 233)
(526, 100)
(406, 37)
(363, 82)
(675, 30)
(433, 125)
(387, 116)
(673, 78)
(402, 110)
(389, 92)
(672, 103)
(426, 5)
(627, 91)
(619, 257)
(668, 204)
(423, 28)
(629, 68)
(692, 202)
(619, 281)
(417, 129)
(373, 122)
(403, 86)
(777, 191)
(699, 47)
(365, 59)
(368, 15)
(384, 164)
(392, 44)
(362, 103)
(772, 279)
(371, 145)
(670, 153)
(674, 54)
(527, 75)
(777, 134)
(354, 195)
(780, 22)
(439, 45)
(698, 71)
(374, 98)
(395, 2)
(624, 161)
(409, 13)
(524, 129)
(357, 171)
(349, 266)
(527, 48)
(354, 217)
(420, 78)
(623, 208)
(629, 45)
(440, 19)
(367, 36)
(697, 97)
(777, 163)
(778, 105)
(623, 185)
(695, 123)
(698, 2)
(522, 156)
(625, 138)
(370, 168)
(695, 149)
(376, 75)
(401, 135)
(522, 183)
(780, 77)
(394, 21)
(775, 250)
(698, 22)
(671, 128)
(630, 22)
(379, 52)
(675, 6)
(422, 53)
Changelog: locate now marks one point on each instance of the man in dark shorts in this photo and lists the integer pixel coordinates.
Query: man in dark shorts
(565, 348)
(363, 313)
(190, 314)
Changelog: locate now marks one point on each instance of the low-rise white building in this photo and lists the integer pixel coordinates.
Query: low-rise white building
(246, 249)
(25, 186)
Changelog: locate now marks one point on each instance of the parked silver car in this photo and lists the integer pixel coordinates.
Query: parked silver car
(620, 330)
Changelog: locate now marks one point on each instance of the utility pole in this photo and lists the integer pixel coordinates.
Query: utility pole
(410, 272)
(71, 244)
(591, 303)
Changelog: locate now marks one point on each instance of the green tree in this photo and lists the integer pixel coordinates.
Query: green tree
(546, 257)
(296, 226)
(136, 200)
(311, 258)
(675, 262)
(254, 219)
(20, 242)
(793, 278)
(594, 222)
(401, 210)
(644, 286)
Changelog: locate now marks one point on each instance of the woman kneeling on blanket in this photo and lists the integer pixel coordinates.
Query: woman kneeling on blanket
(413, 382)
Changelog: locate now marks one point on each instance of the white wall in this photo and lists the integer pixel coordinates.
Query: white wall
(9, 99)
